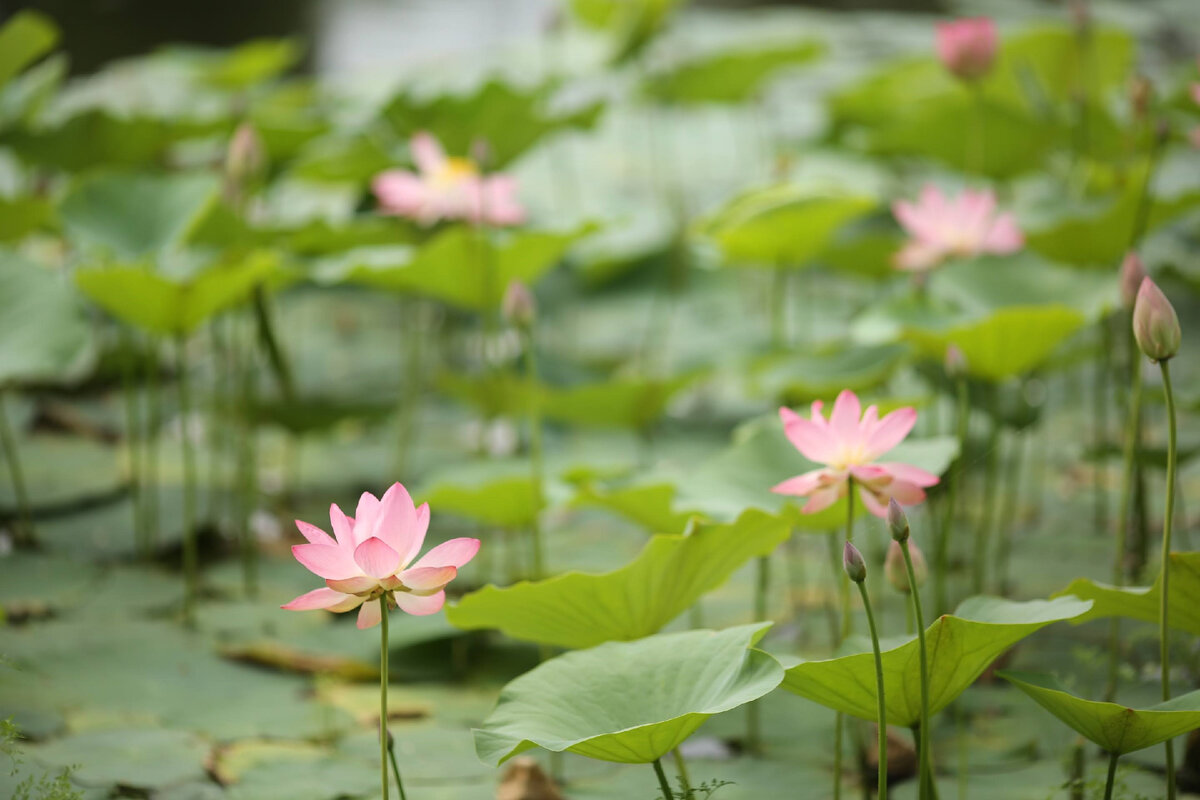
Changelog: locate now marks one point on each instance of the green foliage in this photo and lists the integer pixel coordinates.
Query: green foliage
(44, 787)
(579, 610)
(25, 37)
(44, 334)
(507, 502)
(732, 76)
(612, 702)
(781, 226)
(1116, 728)
(960, 647)
(1142, 602)
(632, 23)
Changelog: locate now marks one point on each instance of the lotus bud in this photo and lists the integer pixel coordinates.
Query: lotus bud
(897, 521)
(246, 157)
(519, 306)
(896, 572)
(1141, 92)
(1132, 275)
(853, 563)
(481, 154)
(967, 47)
(1155, 325)
(956, 362)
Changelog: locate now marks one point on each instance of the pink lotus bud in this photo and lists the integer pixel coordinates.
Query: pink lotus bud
(853, 563)
(967, 47)
(1132, 275)
(897, 521)
(519, 306)
(1155, 325)
(956, 362)
(897, 573)
(246, 157)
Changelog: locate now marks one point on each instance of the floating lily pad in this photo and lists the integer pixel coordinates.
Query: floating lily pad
(143, 758)
(629, 702)
(960, 648)
(1116, 728)
(579, 610)
(1142, 602)
(509, 502)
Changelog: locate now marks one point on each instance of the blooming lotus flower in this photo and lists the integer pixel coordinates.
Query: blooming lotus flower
(941, 227)
(967, 47)
(371, 557)
(447, 188)
(849, 448)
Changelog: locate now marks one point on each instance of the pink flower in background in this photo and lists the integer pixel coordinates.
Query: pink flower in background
(967, 47)
(370, 557)
(447, 188)
(848, 447)
(941, 227)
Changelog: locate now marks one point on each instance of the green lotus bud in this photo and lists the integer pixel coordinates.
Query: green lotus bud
(1155, 325)
(853, 563)
(897, 521)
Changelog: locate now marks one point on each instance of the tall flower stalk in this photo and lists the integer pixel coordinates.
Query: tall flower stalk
(898, 523)
(520, 310)
(1156, 328)
(191, 567)
(383, 703)
(8, 441)
(856, 570)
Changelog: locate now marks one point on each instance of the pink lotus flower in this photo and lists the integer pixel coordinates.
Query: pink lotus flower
(447, 188)
(371, 558)
(941, 227)
(967, 47)
(849, 447)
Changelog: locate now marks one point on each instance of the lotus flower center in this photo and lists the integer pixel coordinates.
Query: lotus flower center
(454, 171)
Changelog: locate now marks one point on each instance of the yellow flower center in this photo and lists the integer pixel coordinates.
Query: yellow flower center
(453, 172)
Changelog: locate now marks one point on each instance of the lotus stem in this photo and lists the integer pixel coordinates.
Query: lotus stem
(154, 425)
(270, 344)
(977, 143)
(247, 468)
(190, 554)
(536, 466)
(847, 621)
(133, 444)
(216, 438)
(1164, 604)
(1012, 480)
(762, 583)
(983, 530)
(395, 766)
(410, 393)
(915, 593)
(663, 784)
(778, 302)
(383, 704)
(25, 534)
(942, 544)
(1128, 458)
(1112, 775)
(1100, 427)
(681, 765)
(882, 714)
(839, 724)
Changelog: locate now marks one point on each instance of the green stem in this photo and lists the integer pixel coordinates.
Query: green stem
(942, 545)
(882, 713)
(1112, 775)
(762, 584)
(915, 593)
(395, 767)
(383, 688)
(1146, 198)
(663, 784)
(778, 303)
(150, 490)
(270, 344)
(247, 466)
(1164, 606)
(190, 555)
(681, 765)
(1128, 456)
(983, 530)
(977, 143)
(536, 467)
(1103, 377)
(1012, 481)
(132, 441)
(847, 622)
(839, 723)
(25, 535)
(410, 393)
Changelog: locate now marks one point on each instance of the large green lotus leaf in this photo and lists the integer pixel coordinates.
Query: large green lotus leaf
(138, 295)
(633, 23)
(251, 63)
(897, 87)
(1142, 602)
(509, 119)
(1116, 728)
(337, 158)
(23, 215)
(24, 38)
(456, 266)
(44, 332)
(761, 456)
(1009, 342)
(635, 403)
(509, 502)
(141, 758)
(730, 77)
(629, 702)
(781, 226)
(959, 649)
(578, 610)
(652, 506)
(989, 283)
(1099, 235)
(1017, 142)
(802, 377)
(131, 215)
